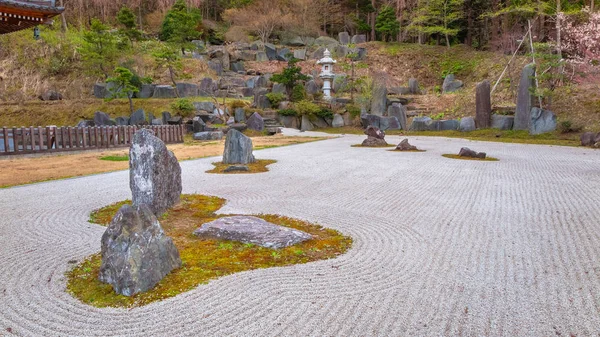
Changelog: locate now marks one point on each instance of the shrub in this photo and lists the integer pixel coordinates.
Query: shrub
(298, 93)
(567, 127)
(183, 106)
(325, 113)
(353, 110)
(288, 112)
(307, 108)
(238, 104)
(275, 98)
(438, 116)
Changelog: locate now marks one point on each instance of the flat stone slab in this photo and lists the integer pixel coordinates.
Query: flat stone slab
(250, 229)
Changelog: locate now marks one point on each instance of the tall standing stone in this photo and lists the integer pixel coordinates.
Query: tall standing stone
(136, 253)
(379, 99)
(413, 86)
(483, 105)
(524, 98)
(344, 38)
(154, 173)
(398, 111)
(238, 148)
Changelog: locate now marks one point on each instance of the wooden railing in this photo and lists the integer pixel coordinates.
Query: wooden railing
(56, 139)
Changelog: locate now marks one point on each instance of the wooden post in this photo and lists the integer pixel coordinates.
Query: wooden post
(41, 137)
(69, 129)
(48, 139)
(15, 140)
(5, 132)
(32, 134)
(63, 140)
(96, 136)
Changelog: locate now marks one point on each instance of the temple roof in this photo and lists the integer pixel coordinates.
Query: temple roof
(22, 14)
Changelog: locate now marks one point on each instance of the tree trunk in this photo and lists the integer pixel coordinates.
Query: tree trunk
(63, 19)
(140, 16)
(373, 20)
(130, 102)
(469, 38)
(172, 75)
(558, 27)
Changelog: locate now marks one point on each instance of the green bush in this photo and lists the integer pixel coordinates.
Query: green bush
(325, 113)
(237, 104)
(275, 98)
(298, 93)
(438, 116)
(353, 110)
(288, 112)
(183, 106)
(307, 108)
(567, 127)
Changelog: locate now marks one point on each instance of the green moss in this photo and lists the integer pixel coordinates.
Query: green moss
(202, 259)
(360, 145)
(116, 158)
(455, 156)
(259, 166)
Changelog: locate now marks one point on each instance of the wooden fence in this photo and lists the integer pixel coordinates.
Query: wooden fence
(57, 139)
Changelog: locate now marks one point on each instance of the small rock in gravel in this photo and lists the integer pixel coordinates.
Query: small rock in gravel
(466, 152)
(405, 146)
(374, 132)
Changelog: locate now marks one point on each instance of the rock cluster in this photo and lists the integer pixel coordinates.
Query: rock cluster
(253, 230)
(375, 137)
(136, 253)
(466, 152)
(154, 173)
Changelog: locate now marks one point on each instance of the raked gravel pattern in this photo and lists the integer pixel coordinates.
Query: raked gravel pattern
(442, 247)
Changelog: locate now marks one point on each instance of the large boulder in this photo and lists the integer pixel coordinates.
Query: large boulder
(300, 54)
(166, 116)
(164, 91)
(374, 142)
(100, 90)
(399, 111)
(483, 105)
(238, 148)
(154, 173)
(261, 56)
(207, 87)
(138, 117)
(525, 99)
(466, 152)
(271, 51)
(239, 115)
(279, 88)
(136, 253)
(187, 89)
(122, 121)
(389, 123)
(587, 139)
(204, 106)
(448, 125)
(198, 125)
(208, 135)
(146, 91)
(413, 86)
(51, 95)
(284, 54)
(379, 99)
(338, 121)
(374, 132)
(370, 120)
(502, 122)
(311, 87)
(289, 121)
(344, 38)
(451, 84)
(102, 119)
(542, 121)
(357, 39)
(422, 124)
(467, 124)
(326, 41)
(252, 230)
(255, 122)
(306, 125)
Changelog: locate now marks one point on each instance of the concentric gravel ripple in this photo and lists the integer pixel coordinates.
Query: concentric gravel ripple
(441, 247)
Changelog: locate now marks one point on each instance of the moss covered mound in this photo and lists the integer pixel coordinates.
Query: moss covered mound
(259, 166)
(455, 156)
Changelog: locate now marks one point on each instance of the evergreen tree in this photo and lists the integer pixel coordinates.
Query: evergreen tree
(290, 75)
(170, 59)
(387, 25)
(127, 19)
(439, 17)
(99, 49)
(180, 25)
(124, 87)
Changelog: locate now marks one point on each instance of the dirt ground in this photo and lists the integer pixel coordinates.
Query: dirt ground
(26, 170)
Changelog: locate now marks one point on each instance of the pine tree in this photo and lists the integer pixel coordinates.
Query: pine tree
(124, 86)
(387, 25)
(127, 19)
(180, 25)
(438, 17)
(99, 49)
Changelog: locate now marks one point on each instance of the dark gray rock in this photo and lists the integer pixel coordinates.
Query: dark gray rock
(216, 66)
(318, 54)
(389, 123)
(262, 102)
(295, 41)
(318, 122)
(100, 90)
(300, 54)
(247, 92)
(374, 142)
(587, 139)
(467, 124)
(256, 122)
(306, 125)
(261, 56)
(250, 229)
(251, 82)
(368, 120)
(338, 121)
(271, 51)
(146, 91)
(399, 111)
(164, 91)
(341, 51)
(413, 86)
(237, 67)
(422, 124)
(51, 95)
(262, 82)
(238, 148)
(122, 120)
(136, 253)
(198, 125)
(502, 122)
(157, 121)
(405, 146)
(208, 135)
(344, 38)
(154, 173)
(138, 118)
(379, 99)
(374, 132)
(357, 39)
(240, 115)
(102, 119)
(361, 54)
(483, 105)
(187, 89)
(311, 87)
(177, 120)
(289, 121)
(284, 55)
(466, 152)
(279, 88)
(542, 121)
(448, 125)
(451, 84)
(237, 168)
(166, 116)
(525, 99)
(205, 106)
(207, 87)
(84, 123)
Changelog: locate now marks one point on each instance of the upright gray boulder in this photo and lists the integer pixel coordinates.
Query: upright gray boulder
(344, 38)
(467, 124)
(525, 99)
(542, 121)
(138, 118)
(238, 148)
(146, 91)
(502, 122)
(413, 86)
(154, 173)
(338, 121)
(305, 124)
(136, 253)
(187, 89)
(451, 84)
(164, 91)
(398, 111)
(356, 39)
(311, 87)
(256, 122)
(379, 99)
(271, 51)
(102, 119)
(240, 115)
(483, 105)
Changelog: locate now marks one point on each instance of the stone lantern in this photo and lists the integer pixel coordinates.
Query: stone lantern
(327, 73)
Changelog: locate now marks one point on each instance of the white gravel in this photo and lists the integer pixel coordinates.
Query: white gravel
(441, 247)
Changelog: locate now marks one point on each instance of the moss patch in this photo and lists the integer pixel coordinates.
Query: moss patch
(203, 259)
(116, 158)
(417, 150)
(455, 156)
(360, 145)
(259, 166)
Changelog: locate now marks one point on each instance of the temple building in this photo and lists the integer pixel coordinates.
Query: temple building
(22, 14)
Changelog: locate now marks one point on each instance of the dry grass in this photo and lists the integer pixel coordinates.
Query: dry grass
(26, 170)
(260, 166)
(203, 259)
(455, 156)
